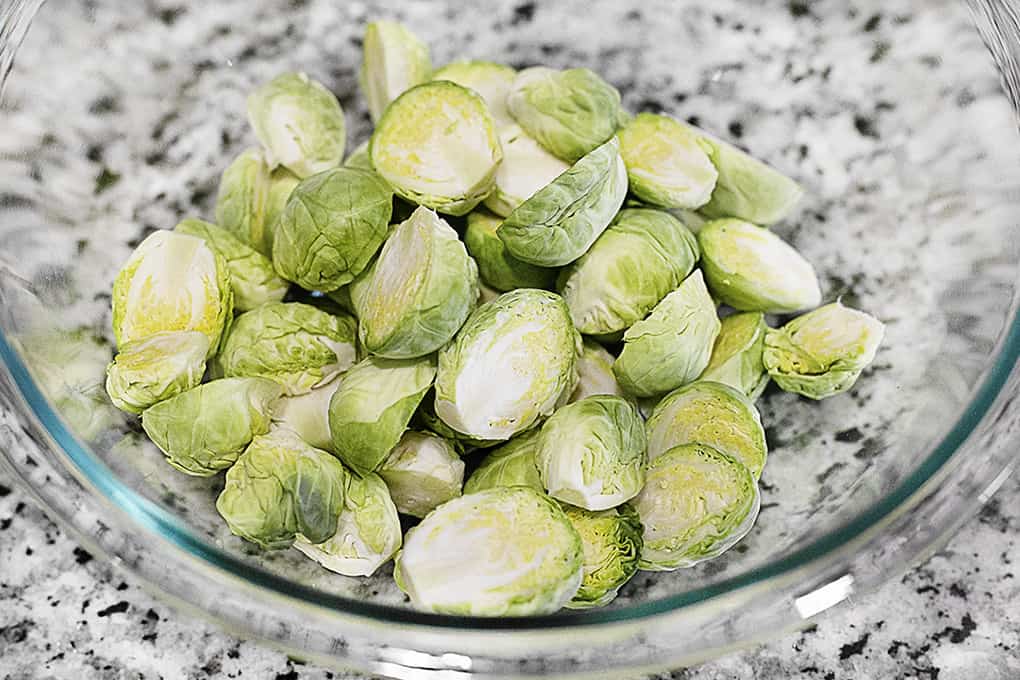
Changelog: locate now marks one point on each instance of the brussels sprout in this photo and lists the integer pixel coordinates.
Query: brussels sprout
(373, 406)
(525, 169)
(491, 81)
(332, 226)
(428, 419)
(281, 487)
(422, 472)
(368, 531)
(560, 222)
(359, 158)
(592, 453)
(751, 269)
(666, 162)
(501, 552)
(496, 266)
(737, 356)
(204, 430)
(637, 261)
(394, 61)
(153, 369)
(242, 204)
(509, 365)
(823, 352)
(299, 123)
(251, 273)
(569, 112)
(512, 464)
(281, 185)
(417, 294)
(172, 282)
(712, 414)
(595, 368)
(437, 146)
(747, 188)
(295, 344)
(673, 345)
(612, 547)
(307, 415)
(697, 503)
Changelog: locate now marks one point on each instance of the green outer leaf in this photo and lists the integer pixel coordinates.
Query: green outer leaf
(591, 453)
(712, 414)
(502, 552)
(251, 273)
(737, 355)
(512, 464)
(299, 123)
(696, 504)
(373, 406)
(673, 345)
(496, 266)
(332, 226)
(561, 221)
(612, 541)
(417, 294)
(281, 487)
(822, 353)
(297, 345)
(394, 60)
(204, 430)
(242, 202)
(642, 257)
(422, 472)
(569, 112)
(151, 370)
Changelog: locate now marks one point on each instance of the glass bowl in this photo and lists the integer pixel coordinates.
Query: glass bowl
(119, 117)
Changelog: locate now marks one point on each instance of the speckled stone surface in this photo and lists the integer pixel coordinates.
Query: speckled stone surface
(64, 614)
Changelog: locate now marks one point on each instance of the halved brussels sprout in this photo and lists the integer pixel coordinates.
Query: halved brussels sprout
(437, 146)
(643, 256)
(747, 188)
(153, 369)
(359, 158)
(297, 345)
(560, 222)
(751, 269)
(569, 112)
(428, 419)
(204, 430)
(696, 504)
(242, 204)
(666, 162)
(595, 368)
(417, 294)
(299, 123)
(510, 364)
(512, 464)
(673, 345)
(281, 487)
(497, 267)
(307, 415)
(501, 552)
(394, 61)
(492, 81)
(172, 282)
(252, 277)
(332, 226)
(612, 547)
(371, 409)
(737, 356)
(281, 185)
(422, 472)
(712, 414)
(823, 352)
(368, 531)
(525, 169)
(592, 453)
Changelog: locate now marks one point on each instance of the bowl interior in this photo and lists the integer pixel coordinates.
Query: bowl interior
(119, 118)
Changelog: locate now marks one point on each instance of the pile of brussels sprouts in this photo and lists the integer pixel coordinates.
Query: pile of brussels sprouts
(380, 350)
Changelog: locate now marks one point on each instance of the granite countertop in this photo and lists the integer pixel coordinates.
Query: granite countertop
(65, 614)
